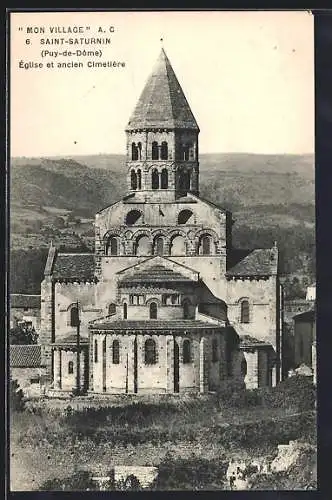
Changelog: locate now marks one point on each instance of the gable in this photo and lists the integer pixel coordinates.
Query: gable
(157, 269)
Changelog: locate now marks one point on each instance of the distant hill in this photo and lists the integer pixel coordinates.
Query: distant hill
(271, 197)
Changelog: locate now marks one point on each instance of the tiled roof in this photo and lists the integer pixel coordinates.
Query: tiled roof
(71, 339)
(25, 356)
(21, 300)
(162, 103)
(259, 262)
(156, 273)
(154, 324)
(74, 266)
(249, 341)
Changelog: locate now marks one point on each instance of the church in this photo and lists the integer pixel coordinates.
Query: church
(165, 304)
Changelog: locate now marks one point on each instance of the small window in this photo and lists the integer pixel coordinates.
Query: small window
(155, 179)
(155, 151)
(96, 352)
(134, 152)
(153, 310)
(185, 309)
(186, 351)
(164, 151)
(164, 179)
(125, 310)
(113, 246)
(70, 368)
(159, 246)
(150, 352)
(139, 179)
(205, 245)
(35, 380)
(244, 311)
(133, 180)
(132, 217)
(243, 368)
(74, 316)
(184, 216)
(111, 309)
(116, 352)
(215, 353)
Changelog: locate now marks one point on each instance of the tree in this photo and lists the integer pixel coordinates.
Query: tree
(23, 335)
(16, 396)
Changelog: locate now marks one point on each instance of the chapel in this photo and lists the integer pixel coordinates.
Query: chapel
(165, 304)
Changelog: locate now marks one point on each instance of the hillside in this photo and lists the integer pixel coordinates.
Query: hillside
(271, 197)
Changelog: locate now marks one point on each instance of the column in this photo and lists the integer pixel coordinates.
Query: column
(169, 363)
(57, 374)
(130, 364)
(203, 376)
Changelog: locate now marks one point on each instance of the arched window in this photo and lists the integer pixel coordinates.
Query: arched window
(205, 245)
(158, 248)
(244, 311)
(155, 179)
(164, 151)
(153, 310)
(70, 368)
(243, 368)
(112, 246)
(150, 352)
(133, 180)
(139, 179)
(178, 245)
(215, 356)
(164, 179)
(132, 217)
(184, 216)
(111, 309)
(74, 316)
(116, 352)
(125, 310)
(155, 151)
(185, 306)
(134, 152)
(139, 147)
(96, 351)
(186, 351)
(142, 246)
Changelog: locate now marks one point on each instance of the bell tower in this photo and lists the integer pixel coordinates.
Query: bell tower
(162, 139)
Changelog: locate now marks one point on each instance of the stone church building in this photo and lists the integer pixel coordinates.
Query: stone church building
(165, 304)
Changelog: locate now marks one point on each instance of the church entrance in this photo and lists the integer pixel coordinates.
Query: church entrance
(135, 365)
(176, 367)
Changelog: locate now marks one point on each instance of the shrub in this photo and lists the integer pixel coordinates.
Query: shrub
(80, 481)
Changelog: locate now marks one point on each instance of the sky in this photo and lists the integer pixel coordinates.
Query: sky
(248, 77)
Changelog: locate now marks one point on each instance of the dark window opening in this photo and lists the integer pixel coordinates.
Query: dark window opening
(125, 310)
(164, 151)
(215, 356)
(139, 147)
(155, 179)
(116, 352)
(111, 309)
(132, 217)
(155, 151)
(150, 352)
(184, 182)
(139, 179)
(184, 216)
(74, 316)
(153, 310)
(243, 368)
(133, 180)
(185, 152)
(244, 311)
(186, 351)
(70, 368)
(134, 152)
(96, 351)
(112, 246)
(164, 179)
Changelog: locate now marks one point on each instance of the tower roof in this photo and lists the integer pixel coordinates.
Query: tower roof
(162, 103)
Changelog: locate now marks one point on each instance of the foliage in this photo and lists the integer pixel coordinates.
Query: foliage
(190, 474)
(80, 481)
(23, 335)
(16, 397)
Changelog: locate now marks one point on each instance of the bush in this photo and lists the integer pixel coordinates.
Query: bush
(80, 481)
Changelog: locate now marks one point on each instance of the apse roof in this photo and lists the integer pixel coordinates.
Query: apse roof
(162, 103)
(154, 324)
